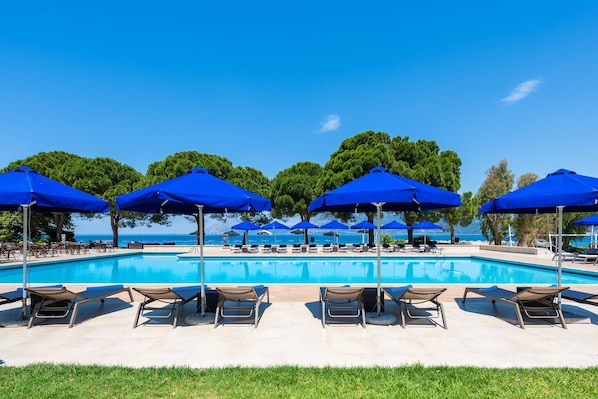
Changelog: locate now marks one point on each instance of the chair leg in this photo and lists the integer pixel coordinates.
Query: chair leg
(441, 311)
(139, 311)
(323, 314)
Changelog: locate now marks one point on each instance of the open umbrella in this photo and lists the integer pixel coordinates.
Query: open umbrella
(394, 225)
(275, 225)
(363, 227)
(194, 192)
(304, 225)
(334, 225)
(426, 225)
(26, 189)
(246, 226)
(561, 191)
(589, 221)
(381, 189)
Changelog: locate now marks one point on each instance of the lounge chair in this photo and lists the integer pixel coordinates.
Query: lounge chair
(58, 302)
(565, 256)
(237, 248)
(267, 249)
(282, 249)
(173, 299)
(327, 248)
(343, 248)
(418, 303)
(342, 302)
(534, 302)
(588, 256)
(313, 249)
(254, 249)
(297, 248)
(17, 295)
(240, 302)
(581, 297)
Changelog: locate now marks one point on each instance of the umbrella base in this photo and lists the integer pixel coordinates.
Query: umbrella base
(196, 319)
(380, 319)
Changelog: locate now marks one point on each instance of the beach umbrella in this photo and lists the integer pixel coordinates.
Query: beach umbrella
(426, 225)
(334, 225)
(24, 188)
(589, 221)
(394, 225)
(275, 225)
(381, 189)
(246, 226)
(363, 227)
(561, 191)
(304, 225)
(196, 192)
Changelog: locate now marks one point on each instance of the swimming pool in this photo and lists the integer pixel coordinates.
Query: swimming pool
(169, 269)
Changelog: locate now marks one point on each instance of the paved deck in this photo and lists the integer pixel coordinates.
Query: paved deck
(290, 333)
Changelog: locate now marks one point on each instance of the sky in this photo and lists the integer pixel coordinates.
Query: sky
(269, 84)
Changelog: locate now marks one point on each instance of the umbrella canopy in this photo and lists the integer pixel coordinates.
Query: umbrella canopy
(245, 225)
(364, 224)
(275, 225)
(589, 221)
(305, 225)
(195, 192)
(335, 225)
(426, 225)
(183, 194)
(561, 191)
(394, 225)
(381, 189)
(25, 188)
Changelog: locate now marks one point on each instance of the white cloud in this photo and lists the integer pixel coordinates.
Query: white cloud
(521, 91)
(330, 123)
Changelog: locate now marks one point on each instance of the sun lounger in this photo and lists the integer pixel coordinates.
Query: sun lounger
(254, 249)
(241, 302)
(236, 249)
(17, 295)
(267, 249)
(296, 249)
(588, 256)
(565, 256)
(534, 302)
(327, 248)
(342, 302)
(282, 249)
(313, 249)
(172, 300)
(418, 303)
(59, 302)
(581, 297)
(343, 248)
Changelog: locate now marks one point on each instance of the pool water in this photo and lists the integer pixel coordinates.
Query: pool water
(169, 269)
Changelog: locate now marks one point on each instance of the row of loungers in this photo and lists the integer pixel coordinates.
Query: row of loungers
(343, 303)
(328, 248)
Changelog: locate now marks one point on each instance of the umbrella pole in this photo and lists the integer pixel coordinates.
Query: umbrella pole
(25, 255)
(201, 265)
(559, 249)
(379, 260)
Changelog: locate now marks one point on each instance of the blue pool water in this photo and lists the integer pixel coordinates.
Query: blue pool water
(169, 269)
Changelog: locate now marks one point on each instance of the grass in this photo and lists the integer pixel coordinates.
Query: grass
(70, 381)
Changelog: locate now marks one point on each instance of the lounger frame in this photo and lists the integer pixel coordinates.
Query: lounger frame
(342, 302)
(171, 300)
(534, 302)
(240, 302)
(50, 297)
(419, 303)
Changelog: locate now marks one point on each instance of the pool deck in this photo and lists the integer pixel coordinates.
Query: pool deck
(290, 332)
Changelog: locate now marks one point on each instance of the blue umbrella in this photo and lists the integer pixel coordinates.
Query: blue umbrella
(195, 192)
(26, 189)
(245, 225)
(426, 225)
(381, 189)
(394, 225)
(364, 224)
(334, 225)
(304, 225)
(275, 225)
(588, 221)
(561, 191)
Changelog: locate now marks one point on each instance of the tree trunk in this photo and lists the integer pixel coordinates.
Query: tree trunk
(59, 220)
(114, 218)
(452, 230)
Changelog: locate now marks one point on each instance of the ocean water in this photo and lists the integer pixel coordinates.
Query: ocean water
(253, 238)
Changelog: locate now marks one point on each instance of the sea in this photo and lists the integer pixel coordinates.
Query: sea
(254, 238)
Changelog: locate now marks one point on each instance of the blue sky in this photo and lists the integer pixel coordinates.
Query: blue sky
(268, 84)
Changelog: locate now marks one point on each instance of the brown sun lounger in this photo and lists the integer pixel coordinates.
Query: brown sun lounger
(342, 302)
(418, 303)
(534, 302)
(172, 300)
(59, 302)
(241, 302)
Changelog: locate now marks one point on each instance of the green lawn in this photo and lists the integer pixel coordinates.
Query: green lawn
(69, 381)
